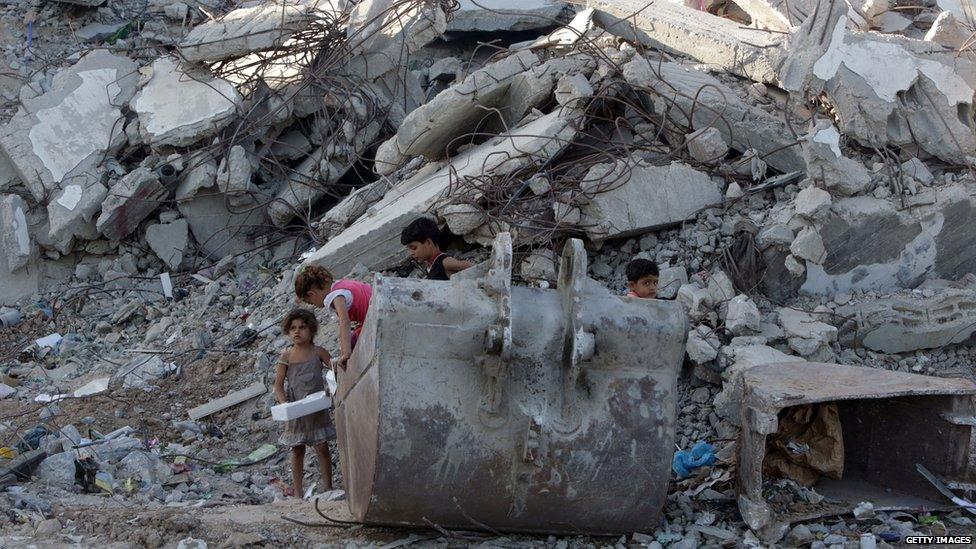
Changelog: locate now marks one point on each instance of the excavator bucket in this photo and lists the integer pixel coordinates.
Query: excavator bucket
(475, 404)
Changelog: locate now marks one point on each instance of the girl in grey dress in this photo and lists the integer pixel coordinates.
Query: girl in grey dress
(303, 367)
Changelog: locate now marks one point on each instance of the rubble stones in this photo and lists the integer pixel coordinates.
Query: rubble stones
(67, 131)
(572, 88)
(130, 201)
(58, 469)
(75, 205)
(178, 108)
(702, 345)
(670, 280)
(743, 316)
(234, 177)
(948, 31)
(15, 241)
(707, 145)
(825, 163)
(809, 245)
(917, 170)
(169, 241)
(812, 202)
(806, 335)
(629, 199)
(874, 245)
(540, 265)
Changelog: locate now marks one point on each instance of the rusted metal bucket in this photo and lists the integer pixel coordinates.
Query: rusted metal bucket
(475, 404)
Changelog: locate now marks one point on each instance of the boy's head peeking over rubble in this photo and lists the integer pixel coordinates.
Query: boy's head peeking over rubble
(642, 276)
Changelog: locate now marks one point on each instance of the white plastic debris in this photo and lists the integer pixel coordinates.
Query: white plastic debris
(51, 341)
(167, 285)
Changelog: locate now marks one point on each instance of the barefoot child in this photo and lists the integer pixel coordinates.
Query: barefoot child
(316, 286)
(303, 366)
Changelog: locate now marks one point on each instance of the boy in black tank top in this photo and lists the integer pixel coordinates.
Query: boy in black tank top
(421, 239)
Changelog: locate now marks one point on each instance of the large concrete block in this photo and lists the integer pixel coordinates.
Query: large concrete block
(65, 133)
(257, 28)
(901, 324)
(217, 230)
(628, 199)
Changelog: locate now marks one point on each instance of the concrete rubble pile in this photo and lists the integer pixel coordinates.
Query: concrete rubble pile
(801, 172)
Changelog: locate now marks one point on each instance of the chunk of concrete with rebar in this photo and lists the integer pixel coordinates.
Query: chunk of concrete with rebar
(889, 422)
(545, 400)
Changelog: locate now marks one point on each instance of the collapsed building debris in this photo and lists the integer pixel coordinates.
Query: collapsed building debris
(800, 172)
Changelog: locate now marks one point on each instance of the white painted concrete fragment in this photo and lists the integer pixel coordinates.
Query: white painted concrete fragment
(70, 197)
(178, 109)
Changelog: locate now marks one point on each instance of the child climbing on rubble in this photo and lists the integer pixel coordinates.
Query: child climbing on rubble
(421, 238)
(302, 365)
(642, 278)
(316, 286)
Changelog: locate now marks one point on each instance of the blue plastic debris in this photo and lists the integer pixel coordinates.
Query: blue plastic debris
(686, 461)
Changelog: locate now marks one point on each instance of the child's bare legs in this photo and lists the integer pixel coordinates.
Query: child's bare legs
(325, 464)
(298, 469)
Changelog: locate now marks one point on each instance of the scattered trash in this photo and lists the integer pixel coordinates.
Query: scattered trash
(685, 461)
(51, 341)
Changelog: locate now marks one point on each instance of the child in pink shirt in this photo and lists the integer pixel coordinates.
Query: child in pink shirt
(316, 286)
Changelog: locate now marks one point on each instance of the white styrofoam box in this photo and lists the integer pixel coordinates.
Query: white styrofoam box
(314, 402)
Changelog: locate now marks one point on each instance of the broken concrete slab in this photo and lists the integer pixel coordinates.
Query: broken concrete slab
(626, 199)
(251, 29)
(68, 130)
(825, 162)
(129, 201)
(374, 239)
(352, 207)
(508, 15)
(465, 104)
(169, 241)
(805, 334)
(907, 323)
(232, 399)
(722, 44)
(15, 237)
(873, 244)
(678, 91)
(922, 105)
(180, 106)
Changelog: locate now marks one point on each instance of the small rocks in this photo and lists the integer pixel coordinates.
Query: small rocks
(743, 316)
